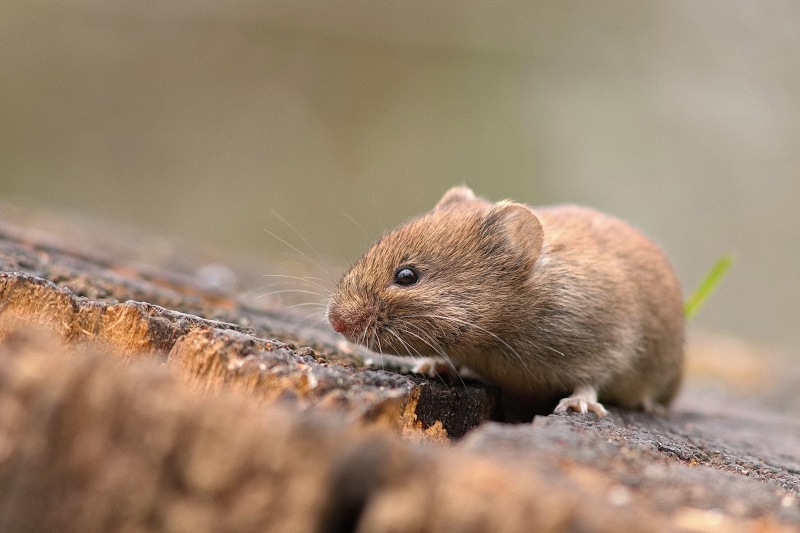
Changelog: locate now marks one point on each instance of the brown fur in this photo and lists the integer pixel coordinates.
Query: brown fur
(538, 301)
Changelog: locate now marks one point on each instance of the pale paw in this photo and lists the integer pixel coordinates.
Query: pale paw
(580, 405)
(652, 408)
(582, 400)
(433, 368)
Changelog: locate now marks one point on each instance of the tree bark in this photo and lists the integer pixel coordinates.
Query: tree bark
(137, 397)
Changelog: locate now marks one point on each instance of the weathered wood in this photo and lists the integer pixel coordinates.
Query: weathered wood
(229, 349)
(135, 398)
(91, 446)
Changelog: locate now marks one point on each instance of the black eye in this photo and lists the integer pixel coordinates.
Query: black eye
(406, 275)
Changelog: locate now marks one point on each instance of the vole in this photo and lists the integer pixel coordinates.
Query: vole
(554, 302)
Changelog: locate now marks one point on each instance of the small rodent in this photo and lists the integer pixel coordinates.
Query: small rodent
(547, 303)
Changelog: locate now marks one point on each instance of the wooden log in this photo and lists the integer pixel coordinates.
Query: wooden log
(136, 397)
(220, 355)
(89, 445)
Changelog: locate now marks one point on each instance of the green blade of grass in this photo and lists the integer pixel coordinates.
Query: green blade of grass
(707, 286)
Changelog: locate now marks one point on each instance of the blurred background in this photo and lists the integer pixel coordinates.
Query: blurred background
(196, 120)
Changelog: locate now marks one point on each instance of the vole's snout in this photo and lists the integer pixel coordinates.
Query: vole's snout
(348, 321)
(336, 321)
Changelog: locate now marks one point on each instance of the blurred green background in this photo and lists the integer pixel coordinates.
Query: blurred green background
(196, 119)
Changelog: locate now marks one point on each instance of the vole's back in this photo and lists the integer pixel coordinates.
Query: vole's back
(610, 302)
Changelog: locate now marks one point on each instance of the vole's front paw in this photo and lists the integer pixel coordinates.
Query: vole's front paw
(434, 368)
(582, 400)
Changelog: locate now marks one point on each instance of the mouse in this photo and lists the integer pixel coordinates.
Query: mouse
(563, 303)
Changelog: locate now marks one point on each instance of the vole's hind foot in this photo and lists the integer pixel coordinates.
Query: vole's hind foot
(582, 400)
(580, 405)
(652, 408)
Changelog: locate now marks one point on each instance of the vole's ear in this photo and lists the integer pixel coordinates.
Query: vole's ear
(519, 226)
(456, 195)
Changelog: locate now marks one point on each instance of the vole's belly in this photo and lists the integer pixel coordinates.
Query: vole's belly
(527, 379)
(521, 378)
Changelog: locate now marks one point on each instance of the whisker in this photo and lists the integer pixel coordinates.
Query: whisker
(403, 343)
(380, 348)
(301, 279)
(438, 375)
(521, 360)
(289, 285)
(354, 221)
(322, 261)
(438, 349)
(321, 320)
(553, 350)
(307, 317)
(374, 211)
(357, 347)
(363, 336)
(289, 290)
(410, 349)
(321, 305)
(301, 253)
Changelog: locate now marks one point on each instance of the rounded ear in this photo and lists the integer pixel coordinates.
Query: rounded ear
(520, 226)
(456, 195)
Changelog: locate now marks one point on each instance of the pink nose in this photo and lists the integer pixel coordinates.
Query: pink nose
(337, 323)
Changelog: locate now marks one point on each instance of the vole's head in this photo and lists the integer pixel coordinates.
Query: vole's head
(443, 282)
